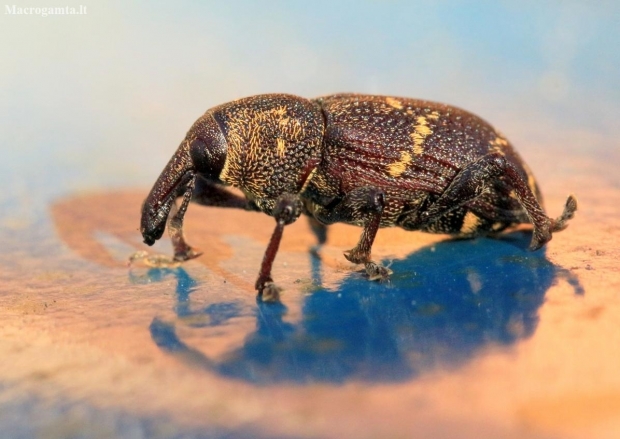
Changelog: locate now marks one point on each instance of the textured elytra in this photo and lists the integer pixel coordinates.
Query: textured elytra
(413, 149)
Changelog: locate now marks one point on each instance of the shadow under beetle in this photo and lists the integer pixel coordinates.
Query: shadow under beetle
(371, 161)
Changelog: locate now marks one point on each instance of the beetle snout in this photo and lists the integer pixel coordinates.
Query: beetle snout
(153, 221)
(152, 235)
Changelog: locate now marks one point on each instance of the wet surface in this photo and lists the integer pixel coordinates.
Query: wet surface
(469, 338)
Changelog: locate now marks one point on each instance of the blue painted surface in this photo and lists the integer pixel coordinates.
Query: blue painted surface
(444, 304)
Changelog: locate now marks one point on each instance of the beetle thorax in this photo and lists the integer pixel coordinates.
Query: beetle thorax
(273, 144)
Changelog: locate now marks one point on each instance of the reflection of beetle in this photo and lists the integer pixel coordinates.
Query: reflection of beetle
(469, 296)
(371, 161)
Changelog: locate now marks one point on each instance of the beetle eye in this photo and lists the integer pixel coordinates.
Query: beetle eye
(207, 147)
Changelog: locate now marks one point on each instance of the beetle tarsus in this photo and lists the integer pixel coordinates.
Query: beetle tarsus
(561, 222)
(543, 233)
(269, 292)
(152, 260)
(377, 271)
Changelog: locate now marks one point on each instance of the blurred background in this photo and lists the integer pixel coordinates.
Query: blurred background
(89, 101)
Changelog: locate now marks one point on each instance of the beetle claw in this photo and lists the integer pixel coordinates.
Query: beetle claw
(377, 272)
(269, 292)
(187, 254)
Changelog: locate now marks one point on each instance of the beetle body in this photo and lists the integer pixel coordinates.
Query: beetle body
(371, 161)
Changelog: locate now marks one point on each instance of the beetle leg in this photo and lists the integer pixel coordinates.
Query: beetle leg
(182, 250)
(475, 178)
(362, 204)
(320, 231)
(203, 192)
(543, 225)
(466, 186)
(287, 210)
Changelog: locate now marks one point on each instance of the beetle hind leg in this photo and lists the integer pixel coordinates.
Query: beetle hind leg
(472, 182)
(543, 225)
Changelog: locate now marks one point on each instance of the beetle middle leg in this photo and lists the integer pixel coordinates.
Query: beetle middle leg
(364, 205)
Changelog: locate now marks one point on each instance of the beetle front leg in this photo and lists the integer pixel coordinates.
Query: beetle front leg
(182, 250)
(366, 204)
(287, 210)
(205, 193)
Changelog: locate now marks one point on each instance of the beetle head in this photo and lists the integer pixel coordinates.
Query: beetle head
(202, 152)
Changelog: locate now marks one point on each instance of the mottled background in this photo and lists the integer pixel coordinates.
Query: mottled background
(473, 339)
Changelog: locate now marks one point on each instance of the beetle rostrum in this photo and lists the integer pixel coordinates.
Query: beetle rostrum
(371, 161)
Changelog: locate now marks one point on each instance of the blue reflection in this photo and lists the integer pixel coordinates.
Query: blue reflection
(444, 304)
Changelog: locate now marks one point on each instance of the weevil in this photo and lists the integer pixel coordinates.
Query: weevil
(371, 161)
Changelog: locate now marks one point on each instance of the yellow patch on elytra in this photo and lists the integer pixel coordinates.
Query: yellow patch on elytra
(394, 103)
(433, 116)
(420, 133)
(499, 143)
(422, 126)
(397, 168)
(470, 222)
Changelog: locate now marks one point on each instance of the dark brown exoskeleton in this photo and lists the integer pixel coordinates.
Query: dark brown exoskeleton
(372, 161)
